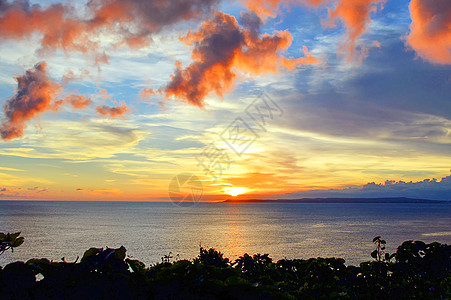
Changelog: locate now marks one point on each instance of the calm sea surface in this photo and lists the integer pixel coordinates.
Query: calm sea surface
(151, 230)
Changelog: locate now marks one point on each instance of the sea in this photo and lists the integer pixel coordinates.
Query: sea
(150, 230)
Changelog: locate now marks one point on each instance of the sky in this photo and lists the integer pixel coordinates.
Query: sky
(127, 100)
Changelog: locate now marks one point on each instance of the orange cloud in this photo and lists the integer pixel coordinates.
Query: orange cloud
(264, 8)
(35, 95)
(70, 76)
(291, 63)
(356, 16)
(78, 101)
(147, 92)
(20, 19)
(138, 19)
(61, 28)
(112, 112)
(430, 30)
(221, 48)
(268, 8)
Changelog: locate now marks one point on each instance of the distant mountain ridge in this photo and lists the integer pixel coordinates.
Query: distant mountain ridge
(340, 200)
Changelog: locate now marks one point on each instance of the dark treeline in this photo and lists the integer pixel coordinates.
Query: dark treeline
(416, 270)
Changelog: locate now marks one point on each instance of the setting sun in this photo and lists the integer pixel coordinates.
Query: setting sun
(234, 191)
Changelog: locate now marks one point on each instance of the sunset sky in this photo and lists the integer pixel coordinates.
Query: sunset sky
(110, 99)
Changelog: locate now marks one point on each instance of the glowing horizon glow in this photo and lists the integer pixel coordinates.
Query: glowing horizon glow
(234, 190)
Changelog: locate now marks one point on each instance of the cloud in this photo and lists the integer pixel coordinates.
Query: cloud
(269, 8)
(430, 30)
(343, 120)
(291, 63)
(263, 8)
(35, 95)
(63, 27)
(423, 189)
(141, 18)
(78, 101)
(20, 20)
(222, 48)
(112, 112)
(355, 15)
(38, 189)
(10, 169)
(390, 81)
(70, 76)
(147, 92)
(25, 193)
(77, 140)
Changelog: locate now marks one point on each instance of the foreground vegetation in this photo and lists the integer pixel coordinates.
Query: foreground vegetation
(416, 270)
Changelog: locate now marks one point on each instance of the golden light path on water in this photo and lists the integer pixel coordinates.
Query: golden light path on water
(151, 230)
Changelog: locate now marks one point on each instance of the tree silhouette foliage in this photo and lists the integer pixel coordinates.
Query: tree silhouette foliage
(10, 241)
(416, 270)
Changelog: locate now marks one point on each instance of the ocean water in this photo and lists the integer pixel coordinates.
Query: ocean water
(150, 230)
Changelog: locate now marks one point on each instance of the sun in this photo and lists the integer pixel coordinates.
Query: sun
(234, 190)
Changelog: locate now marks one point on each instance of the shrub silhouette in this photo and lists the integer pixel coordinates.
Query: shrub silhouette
(212, 257)
(10, 241)
(415, 270)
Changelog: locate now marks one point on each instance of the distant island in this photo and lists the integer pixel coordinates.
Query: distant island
(339, 200)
